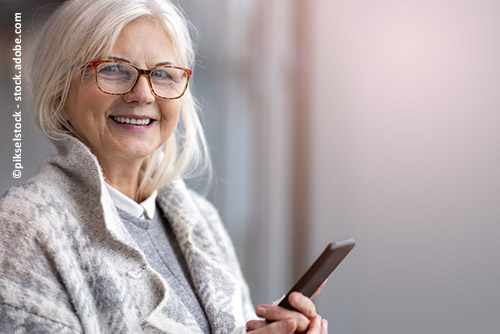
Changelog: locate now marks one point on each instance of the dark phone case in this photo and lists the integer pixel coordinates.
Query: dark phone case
(331, 257)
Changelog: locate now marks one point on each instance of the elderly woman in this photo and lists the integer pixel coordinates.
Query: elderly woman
(105, 237)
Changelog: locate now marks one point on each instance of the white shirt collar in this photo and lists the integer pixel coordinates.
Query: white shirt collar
(145, 210)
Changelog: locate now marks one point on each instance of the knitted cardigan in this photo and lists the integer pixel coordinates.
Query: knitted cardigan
(68, 264)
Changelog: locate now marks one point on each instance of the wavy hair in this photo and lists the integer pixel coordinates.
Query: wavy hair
(80, 31)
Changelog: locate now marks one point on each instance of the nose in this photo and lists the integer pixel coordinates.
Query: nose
(141, 93)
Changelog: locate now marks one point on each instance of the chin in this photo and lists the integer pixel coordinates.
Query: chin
(139, 153)
(136, 151)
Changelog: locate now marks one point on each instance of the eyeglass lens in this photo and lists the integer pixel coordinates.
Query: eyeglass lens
(118, 78)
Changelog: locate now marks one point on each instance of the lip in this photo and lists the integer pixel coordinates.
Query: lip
(132, 127)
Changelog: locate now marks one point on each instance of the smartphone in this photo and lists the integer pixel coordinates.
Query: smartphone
(331, 257)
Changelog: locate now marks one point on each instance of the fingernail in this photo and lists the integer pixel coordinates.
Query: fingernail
(261, 310)
(325, 323)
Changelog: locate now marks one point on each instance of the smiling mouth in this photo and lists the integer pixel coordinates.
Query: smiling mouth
(133, 121)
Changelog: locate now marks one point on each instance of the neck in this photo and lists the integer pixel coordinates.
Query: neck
(123, 176)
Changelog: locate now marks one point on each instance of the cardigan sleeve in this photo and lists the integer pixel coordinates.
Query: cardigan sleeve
(240, 330)
(19, 321)
(32, 297)
(211, 215)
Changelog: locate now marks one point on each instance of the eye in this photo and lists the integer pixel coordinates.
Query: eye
(161, 74)
(115, 71)
(111, 68)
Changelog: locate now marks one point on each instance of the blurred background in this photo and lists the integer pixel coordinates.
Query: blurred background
(328, 119)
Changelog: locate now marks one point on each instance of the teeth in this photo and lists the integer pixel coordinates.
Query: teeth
(135, 121)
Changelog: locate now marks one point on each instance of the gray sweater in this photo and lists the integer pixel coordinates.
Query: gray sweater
(157, 241)
(68, 264)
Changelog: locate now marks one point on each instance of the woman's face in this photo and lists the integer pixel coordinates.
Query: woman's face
(93, 114)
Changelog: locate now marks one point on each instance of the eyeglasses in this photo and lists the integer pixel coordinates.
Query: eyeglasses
(118, 78)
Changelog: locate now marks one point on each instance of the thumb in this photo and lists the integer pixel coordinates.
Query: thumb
(319, 289)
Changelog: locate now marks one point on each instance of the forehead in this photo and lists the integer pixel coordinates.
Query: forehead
(145, 42)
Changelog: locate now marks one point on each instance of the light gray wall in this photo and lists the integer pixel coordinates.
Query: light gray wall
(35, 146)
(405, 159)
(245, 53)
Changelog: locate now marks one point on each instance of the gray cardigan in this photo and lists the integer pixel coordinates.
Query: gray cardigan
(68, 265)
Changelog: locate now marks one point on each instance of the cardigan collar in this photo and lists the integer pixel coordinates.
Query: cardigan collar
(187, 222)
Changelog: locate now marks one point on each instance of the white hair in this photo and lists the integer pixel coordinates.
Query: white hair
(81, 31)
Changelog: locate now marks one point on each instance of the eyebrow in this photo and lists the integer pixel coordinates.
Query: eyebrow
(128, 61)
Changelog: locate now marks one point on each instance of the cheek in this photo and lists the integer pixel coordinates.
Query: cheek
(170, 114)
(88, 115)
(85, 105)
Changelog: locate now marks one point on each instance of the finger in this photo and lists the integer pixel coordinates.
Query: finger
(256, 324)
(315, 327)
(319, 289)
(324, 327)
(276, 313)
(302, 304)
(286, 326)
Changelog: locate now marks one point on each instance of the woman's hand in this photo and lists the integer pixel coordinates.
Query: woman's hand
(304, 320)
